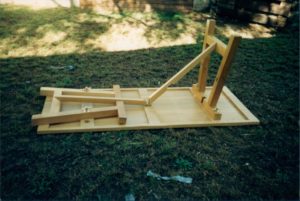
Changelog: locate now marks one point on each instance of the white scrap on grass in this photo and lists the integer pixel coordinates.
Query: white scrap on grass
(187, 180)
(129, 197)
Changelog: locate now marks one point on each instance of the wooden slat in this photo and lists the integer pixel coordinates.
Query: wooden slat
(181, 73)
(223, 71)
(120, 105)
(202, 78)
(48, 91)
(221, 47)
(89, 93)
(55, 106)
(150, 113)
(93, 99)
(63, 117)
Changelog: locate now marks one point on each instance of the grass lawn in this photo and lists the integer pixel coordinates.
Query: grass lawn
(249, 162)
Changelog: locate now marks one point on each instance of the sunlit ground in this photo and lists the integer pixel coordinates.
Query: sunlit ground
(43, 32)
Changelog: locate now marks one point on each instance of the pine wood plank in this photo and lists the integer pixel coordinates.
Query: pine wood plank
(120, 105)
(48, 91)
(202, 78)
(70, 116)
(182, 102)
(221, 47)
(223, 71)
(55, 106)
(94, 99)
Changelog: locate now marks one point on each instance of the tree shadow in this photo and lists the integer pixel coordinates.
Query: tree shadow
(25, 26)
(167, 18)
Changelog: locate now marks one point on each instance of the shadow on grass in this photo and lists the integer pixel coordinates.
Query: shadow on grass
(24, 24)
(60, 30)
(251, 162)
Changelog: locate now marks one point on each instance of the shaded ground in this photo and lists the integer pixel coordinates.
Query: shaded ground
(251, 162)
(26, 32)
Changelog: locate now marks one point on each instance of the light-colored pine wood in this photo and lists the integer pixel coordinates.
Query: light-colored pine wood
(181, 73)
(94, 99)
(120, 105)
(221, 47)
(238, 105)
(150, 113)
(223, 70)
(86, 122)
(179, 111)
(89, 93)
(48, 91)
(213, 113)
(55, 106)
(70, 116)
(202, 78)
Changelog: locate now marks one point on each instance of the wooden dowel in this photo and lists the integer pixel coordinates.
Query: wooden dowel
(181, 73)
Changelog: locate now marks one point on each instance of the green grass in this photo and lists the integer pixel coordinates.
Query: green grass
(228, 163)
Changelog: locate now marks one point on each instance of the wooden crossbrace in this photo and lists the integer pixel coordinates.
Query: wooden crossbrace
(54, 108)
(64, 117)
(120, 105)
